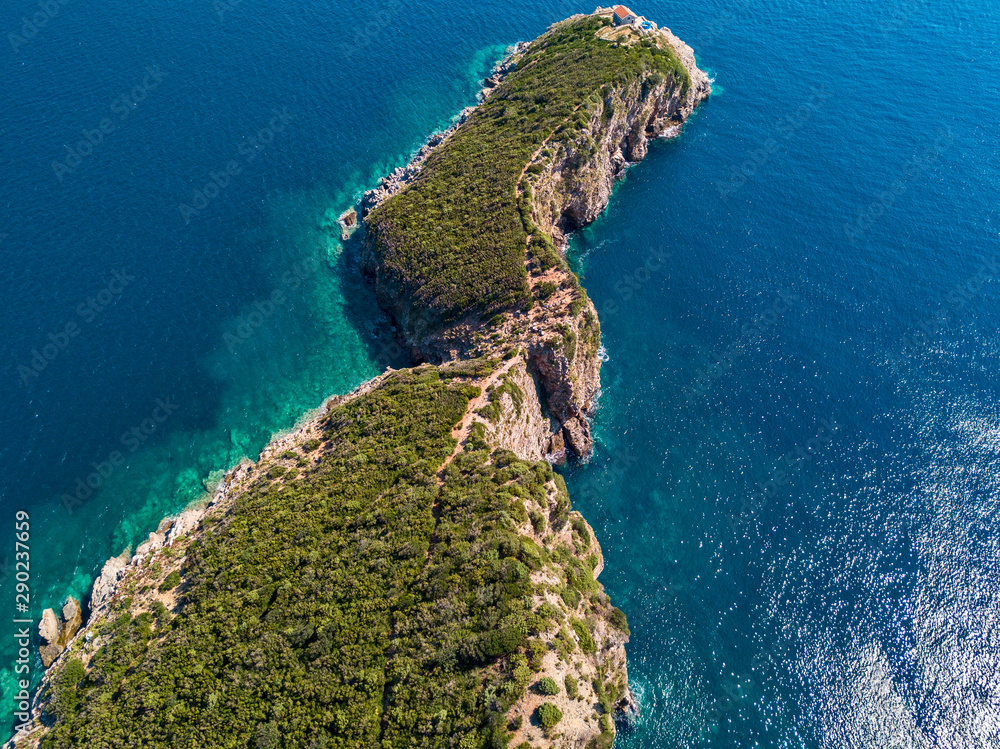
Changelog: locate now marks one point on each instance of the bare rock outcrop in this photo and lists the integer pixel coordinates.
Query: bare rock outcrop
(515, 420)
(57, 633)
(107, 581)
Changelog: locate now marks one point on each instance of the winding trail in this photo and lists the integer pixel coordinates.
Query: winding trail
(463, 429)
(460, 432)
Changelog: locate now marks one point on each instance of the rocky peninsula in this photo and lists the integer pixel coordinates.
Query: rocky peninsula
(404, 568)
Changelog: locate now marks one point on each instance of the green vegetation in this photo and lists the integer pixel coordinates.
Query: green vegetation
(172, 581)
(618, 620)
(572, 686)
(508, 386)
(547, 686)
(545, 290)
(571, 597)
(587, 644)
(455, 241)
(368, 595)
(359, 604)
(549, 715)
(603, 699)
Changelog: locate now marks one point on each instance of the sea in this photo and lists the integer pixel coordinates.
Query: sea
(795, 480)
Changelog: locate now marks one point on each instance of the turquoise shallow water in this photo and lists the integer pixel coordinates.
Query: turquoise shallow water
(795, 479)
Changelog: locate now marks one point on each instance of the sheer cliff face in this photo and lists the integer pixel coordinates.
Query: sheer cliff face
(565, 184)
(575, 186)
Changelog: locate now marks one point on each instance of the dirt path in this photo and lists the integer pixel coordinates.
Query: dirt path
(520, 177)
(462, 430)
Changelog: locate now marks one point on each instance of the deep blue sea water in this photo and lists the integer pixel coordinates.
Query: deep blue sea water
(795, 482)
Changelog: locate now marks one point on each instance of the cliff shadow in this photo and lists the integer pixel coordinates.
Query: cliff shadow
(375, 326)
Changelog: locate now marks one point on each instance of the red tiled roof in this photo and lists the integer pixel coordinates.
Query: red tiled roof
(622, 12)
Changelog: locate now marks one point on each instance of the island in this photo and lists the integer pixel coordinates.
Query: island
(405, 569)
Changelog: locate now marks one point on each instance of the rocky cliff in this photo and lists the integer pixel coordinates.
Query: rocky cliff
(565, 183)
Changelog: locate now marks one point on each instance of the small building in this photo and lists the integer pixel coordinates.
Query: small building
(622, 16)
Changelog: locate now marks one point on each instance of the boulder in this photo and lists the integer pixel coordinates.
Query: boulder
(152, 544)
(48, 628)
(576, 432)
(72, 616)
(49, 653)
(186, 522)
(348, 222)
(557, 449)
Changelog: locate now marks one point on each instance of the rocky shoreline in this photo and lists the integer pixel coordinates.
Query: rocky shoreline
(401, 178)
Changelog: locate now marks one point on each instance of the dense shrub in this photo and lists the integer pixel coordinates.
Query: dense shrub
(547, 685)
(587, 644)
(171, 582)
(549, 715)
(572, 686)
(617, 618)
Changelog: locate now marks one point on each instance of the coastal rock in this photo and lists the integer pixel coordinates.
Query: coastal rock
(556, 452)
(571, 182)
(105, 584)
(49, 653)
(186, 522)
(576, 432)
(519, 425)
(348, 222)
(608, 664)
(151, 545)
(56, 634)
(48, 627)
(72, 616)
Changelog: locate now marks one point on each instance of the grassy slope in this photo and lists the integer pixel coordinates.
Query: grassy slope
(354, 604)
(456, 239)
